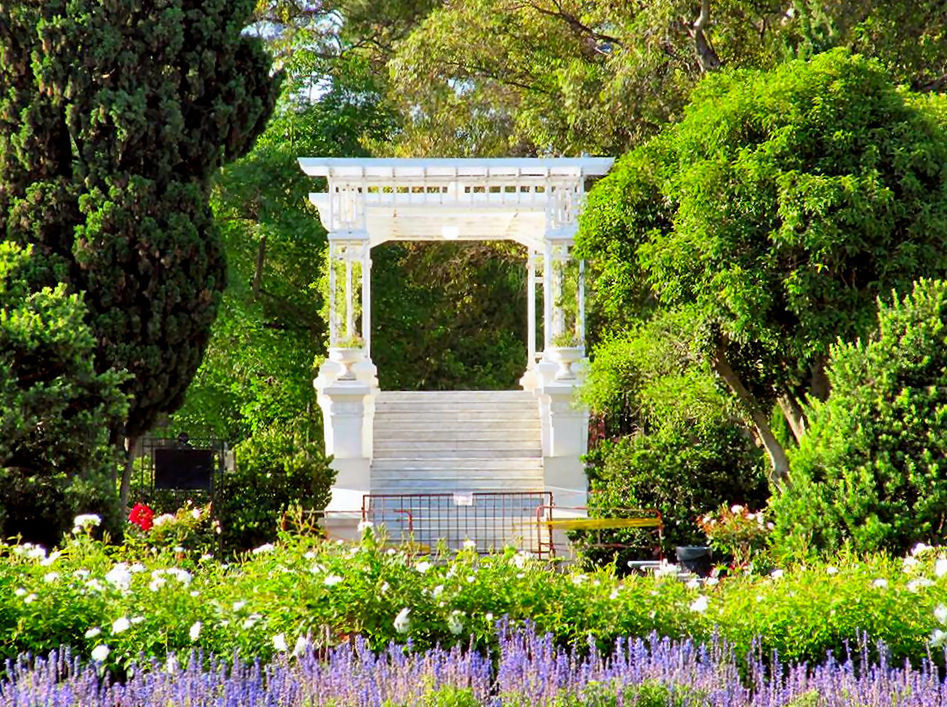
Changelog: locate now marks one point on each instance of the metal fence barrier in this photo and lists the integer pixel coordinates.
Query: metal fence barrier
(490, 520)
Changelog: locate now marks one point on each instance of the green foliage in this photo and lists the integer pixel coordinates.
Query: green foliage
(279, 467)
(494, 77)
(872, 471)
(190, 531)
(499, 77)
(258, 365)
(684, 474)
(449, 316)
(651, 376)
(105, 166)
(55, 410)
(329, 592)
(775, 213)
(678, 443)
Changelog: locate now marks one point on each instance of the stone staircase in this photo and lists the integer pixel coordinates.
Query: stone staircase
(458, 443)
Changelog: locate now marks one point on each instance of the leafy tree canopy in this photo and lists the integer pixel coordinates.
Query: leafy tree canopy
(778, 209)
(548, 76)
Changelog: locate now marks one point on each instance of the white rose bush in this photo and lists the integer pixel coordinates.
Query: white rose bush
(300, 602)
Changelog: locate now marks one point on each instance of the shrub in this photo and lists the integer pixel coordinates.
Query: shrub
(326, 593)
(872, 470)
(736, 533)
(278, 467)
(683, 473)
(189, 531)
(55, 410)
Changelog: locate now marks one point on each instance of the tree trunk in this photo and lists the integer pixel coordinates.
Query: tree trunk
(130, 444)
(706, 56)
(779, 463)
(819, 385)
(792, 411)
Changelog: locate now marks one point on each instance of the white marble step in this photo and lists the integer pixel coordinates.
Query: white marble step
(455, 395)
(486, 447)
(453, 473)
(412, 486)
(456, 441)
(455, 453)
(454, 436)
(487, 463)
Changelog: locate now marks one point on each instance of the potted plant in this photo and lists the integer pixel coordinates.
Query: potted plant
(736, 532)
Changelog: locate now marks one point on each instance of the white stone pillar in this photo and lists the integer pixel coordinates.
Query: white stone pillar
(547, 296)
(558, 377)
(333, 314)
(367, 302)
(530, 310)
(349, 304)
(346, 386)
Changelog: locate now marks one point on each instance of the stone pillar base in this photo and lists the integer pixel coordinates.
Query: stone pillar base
(346, 392)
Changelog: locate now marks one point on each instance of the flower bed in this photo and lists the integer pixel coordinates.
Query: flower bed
(120, 604)
(531, 670)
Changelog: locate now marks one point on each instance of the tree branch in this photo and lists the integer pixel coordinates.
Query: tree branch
(706, 56)
(792, 411)
(575, 23)
(779, 463)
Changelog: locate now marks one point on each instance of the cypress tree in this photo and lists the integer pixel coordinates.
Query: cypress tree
(114, 116)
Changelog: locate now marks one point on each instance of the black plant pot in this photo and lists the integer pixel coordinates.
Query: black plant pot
(695, 558)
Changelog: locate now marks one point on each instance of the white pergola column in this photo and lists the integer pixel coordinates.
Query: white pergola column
(559, 374)
(346, 386)
(530, 309)
(367, 303)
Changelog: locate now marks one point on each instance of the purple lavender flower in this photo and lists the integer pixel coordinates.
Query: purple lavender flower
(530, 669)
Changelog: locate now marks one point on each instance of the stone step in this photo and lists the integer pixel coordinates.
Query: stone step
(424, 486)
(456, 477)
(455, 453)
(455, 395)
(390, 433)
(421, 422)
(428, 450)
(452, 412)
(458, 422)
(461, 464)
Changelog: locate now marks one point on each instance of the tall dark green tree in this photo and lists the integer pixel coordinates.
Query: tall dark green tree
(113, 117)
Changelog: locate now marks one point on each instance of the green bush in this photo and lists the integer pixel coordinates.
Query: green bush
(307, 588)
(872, 470)
(55, 410)
(277, 468)
(682, 473)
(681, 446)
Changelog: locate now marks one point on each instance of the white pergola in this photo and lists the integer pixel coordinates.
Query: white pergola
(534, 202)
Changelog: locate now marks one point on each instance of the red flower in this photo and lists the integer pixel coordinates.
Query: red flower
(141, 516)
